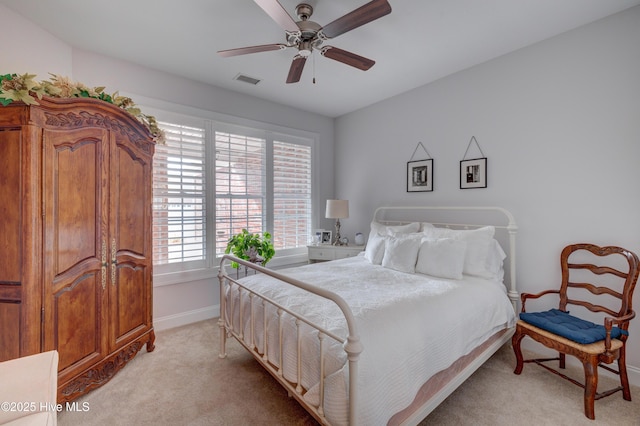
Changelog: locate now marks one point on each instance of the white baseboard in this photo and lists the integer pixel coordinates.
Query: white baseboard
(634, 375)
(184, 318)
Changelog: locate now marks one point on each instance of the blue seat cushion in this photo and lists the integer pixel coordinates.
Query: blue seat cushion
(561, 323)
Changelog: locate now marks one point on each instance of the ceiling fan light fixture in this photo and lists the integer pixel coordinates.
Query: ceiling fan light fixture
(304, 49)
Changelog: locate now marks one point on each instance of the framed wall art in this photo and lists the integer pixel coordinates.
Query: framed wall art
(473, 173)
(420, 176)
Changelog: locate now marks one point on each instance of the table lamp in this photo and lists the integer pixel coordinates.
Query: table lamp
(337, 209)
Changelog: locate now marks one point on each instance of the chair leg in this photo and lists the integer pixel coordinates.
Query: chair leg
(515, 342)
(624, 379)
(590, 386)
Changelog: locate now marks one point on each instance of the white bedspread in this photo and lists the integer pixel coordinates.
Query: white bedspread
(411, 326)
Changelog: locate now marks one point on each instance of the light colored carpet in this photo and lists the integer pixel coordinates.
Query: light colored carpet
(183, 382)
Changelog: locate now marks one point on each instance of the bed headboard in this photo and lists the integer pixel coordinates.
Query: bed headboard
(464, 218)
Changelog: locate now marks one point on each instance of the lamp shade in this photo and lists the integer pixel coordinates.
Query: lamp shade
(337, 209)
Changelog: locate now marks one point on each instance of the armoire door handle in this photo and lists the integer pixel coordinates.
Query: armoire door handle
(113, 262)
(103, 269)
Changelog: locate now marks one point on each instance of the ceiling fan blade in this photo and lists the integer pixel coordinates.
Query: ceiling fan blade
(295, 72)
(251, 49)
(279, 14)
(363, 15)
(348, 58)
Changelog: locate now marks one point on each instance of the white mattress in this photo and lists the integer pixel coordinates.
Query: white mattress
(411, 326)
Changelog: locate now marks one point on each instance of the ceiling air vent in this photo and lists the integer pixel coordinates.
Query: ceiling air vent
(246, 79)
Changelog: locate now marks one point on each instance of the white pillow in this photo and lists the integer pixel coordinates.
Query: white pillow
(442, 258)
(388, 229)
(401, 254)
(425, 225)
(479, 245)
(375, 249)
(485, 232)
(495, 260)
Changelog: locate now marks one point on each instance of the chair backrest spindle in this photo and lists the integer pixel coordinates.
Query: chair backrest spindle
(571, 268)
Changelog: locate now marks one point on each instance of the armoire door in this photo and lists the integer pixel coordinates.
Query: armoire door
(75, 245)
(20, 295)
(130, 242)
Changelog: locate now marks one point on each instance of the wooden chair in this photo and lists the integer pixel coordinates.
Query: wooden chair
(594, 345)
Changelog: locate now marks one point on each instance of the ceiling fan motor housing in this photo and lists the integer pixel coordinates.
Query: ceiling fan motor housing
(307, 39)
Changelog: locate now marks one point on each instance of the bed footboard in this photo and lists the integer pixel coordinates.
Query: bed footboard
(230, 309)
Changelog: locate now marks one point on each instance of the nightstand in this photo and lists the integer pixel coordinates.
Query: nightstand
(326, 252)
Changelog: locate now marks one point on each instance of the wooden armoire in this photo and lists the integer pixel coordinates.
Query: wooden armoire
(75, 237)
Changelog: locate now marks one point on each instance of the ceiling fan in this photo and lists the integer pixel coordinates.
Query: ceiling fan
(306, 35)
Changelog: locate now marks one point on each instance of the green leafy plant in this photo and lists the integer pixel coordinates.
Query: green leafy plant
(256, 248)
(25, 88)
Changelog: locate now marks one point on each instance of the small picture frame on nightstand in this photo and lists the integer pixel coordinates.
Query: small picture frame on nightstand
(325, 237)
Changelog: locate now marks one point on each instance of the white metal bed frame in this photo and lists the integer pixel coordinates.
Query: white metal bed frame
(352, 345)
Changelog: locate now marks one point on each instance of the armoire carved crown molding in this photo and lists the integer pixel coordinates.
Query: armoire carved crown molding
(85, 118)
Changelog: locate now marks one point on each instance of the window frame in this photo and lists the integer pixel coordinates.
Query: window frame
(182, 271)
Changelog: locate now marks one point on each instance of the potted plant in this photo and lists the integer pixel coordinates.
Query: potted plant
(255, 248)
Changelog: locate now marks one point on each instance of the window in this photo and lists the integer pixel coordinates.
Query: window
(179, 196)
(240, 186)
(212, 179)
(263, 184)
(291, 195)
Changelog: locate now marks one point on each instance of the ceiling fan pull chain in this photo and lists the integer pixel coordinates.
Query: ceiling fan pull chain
(314, 69)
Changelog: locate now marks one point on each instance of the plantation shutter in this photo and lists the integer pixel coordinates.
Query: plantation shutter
(240, 186)
(291, 194)
(179, 208)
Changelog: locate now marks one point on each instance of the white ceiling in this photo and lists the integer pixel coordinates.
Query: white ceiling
(419, 42)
